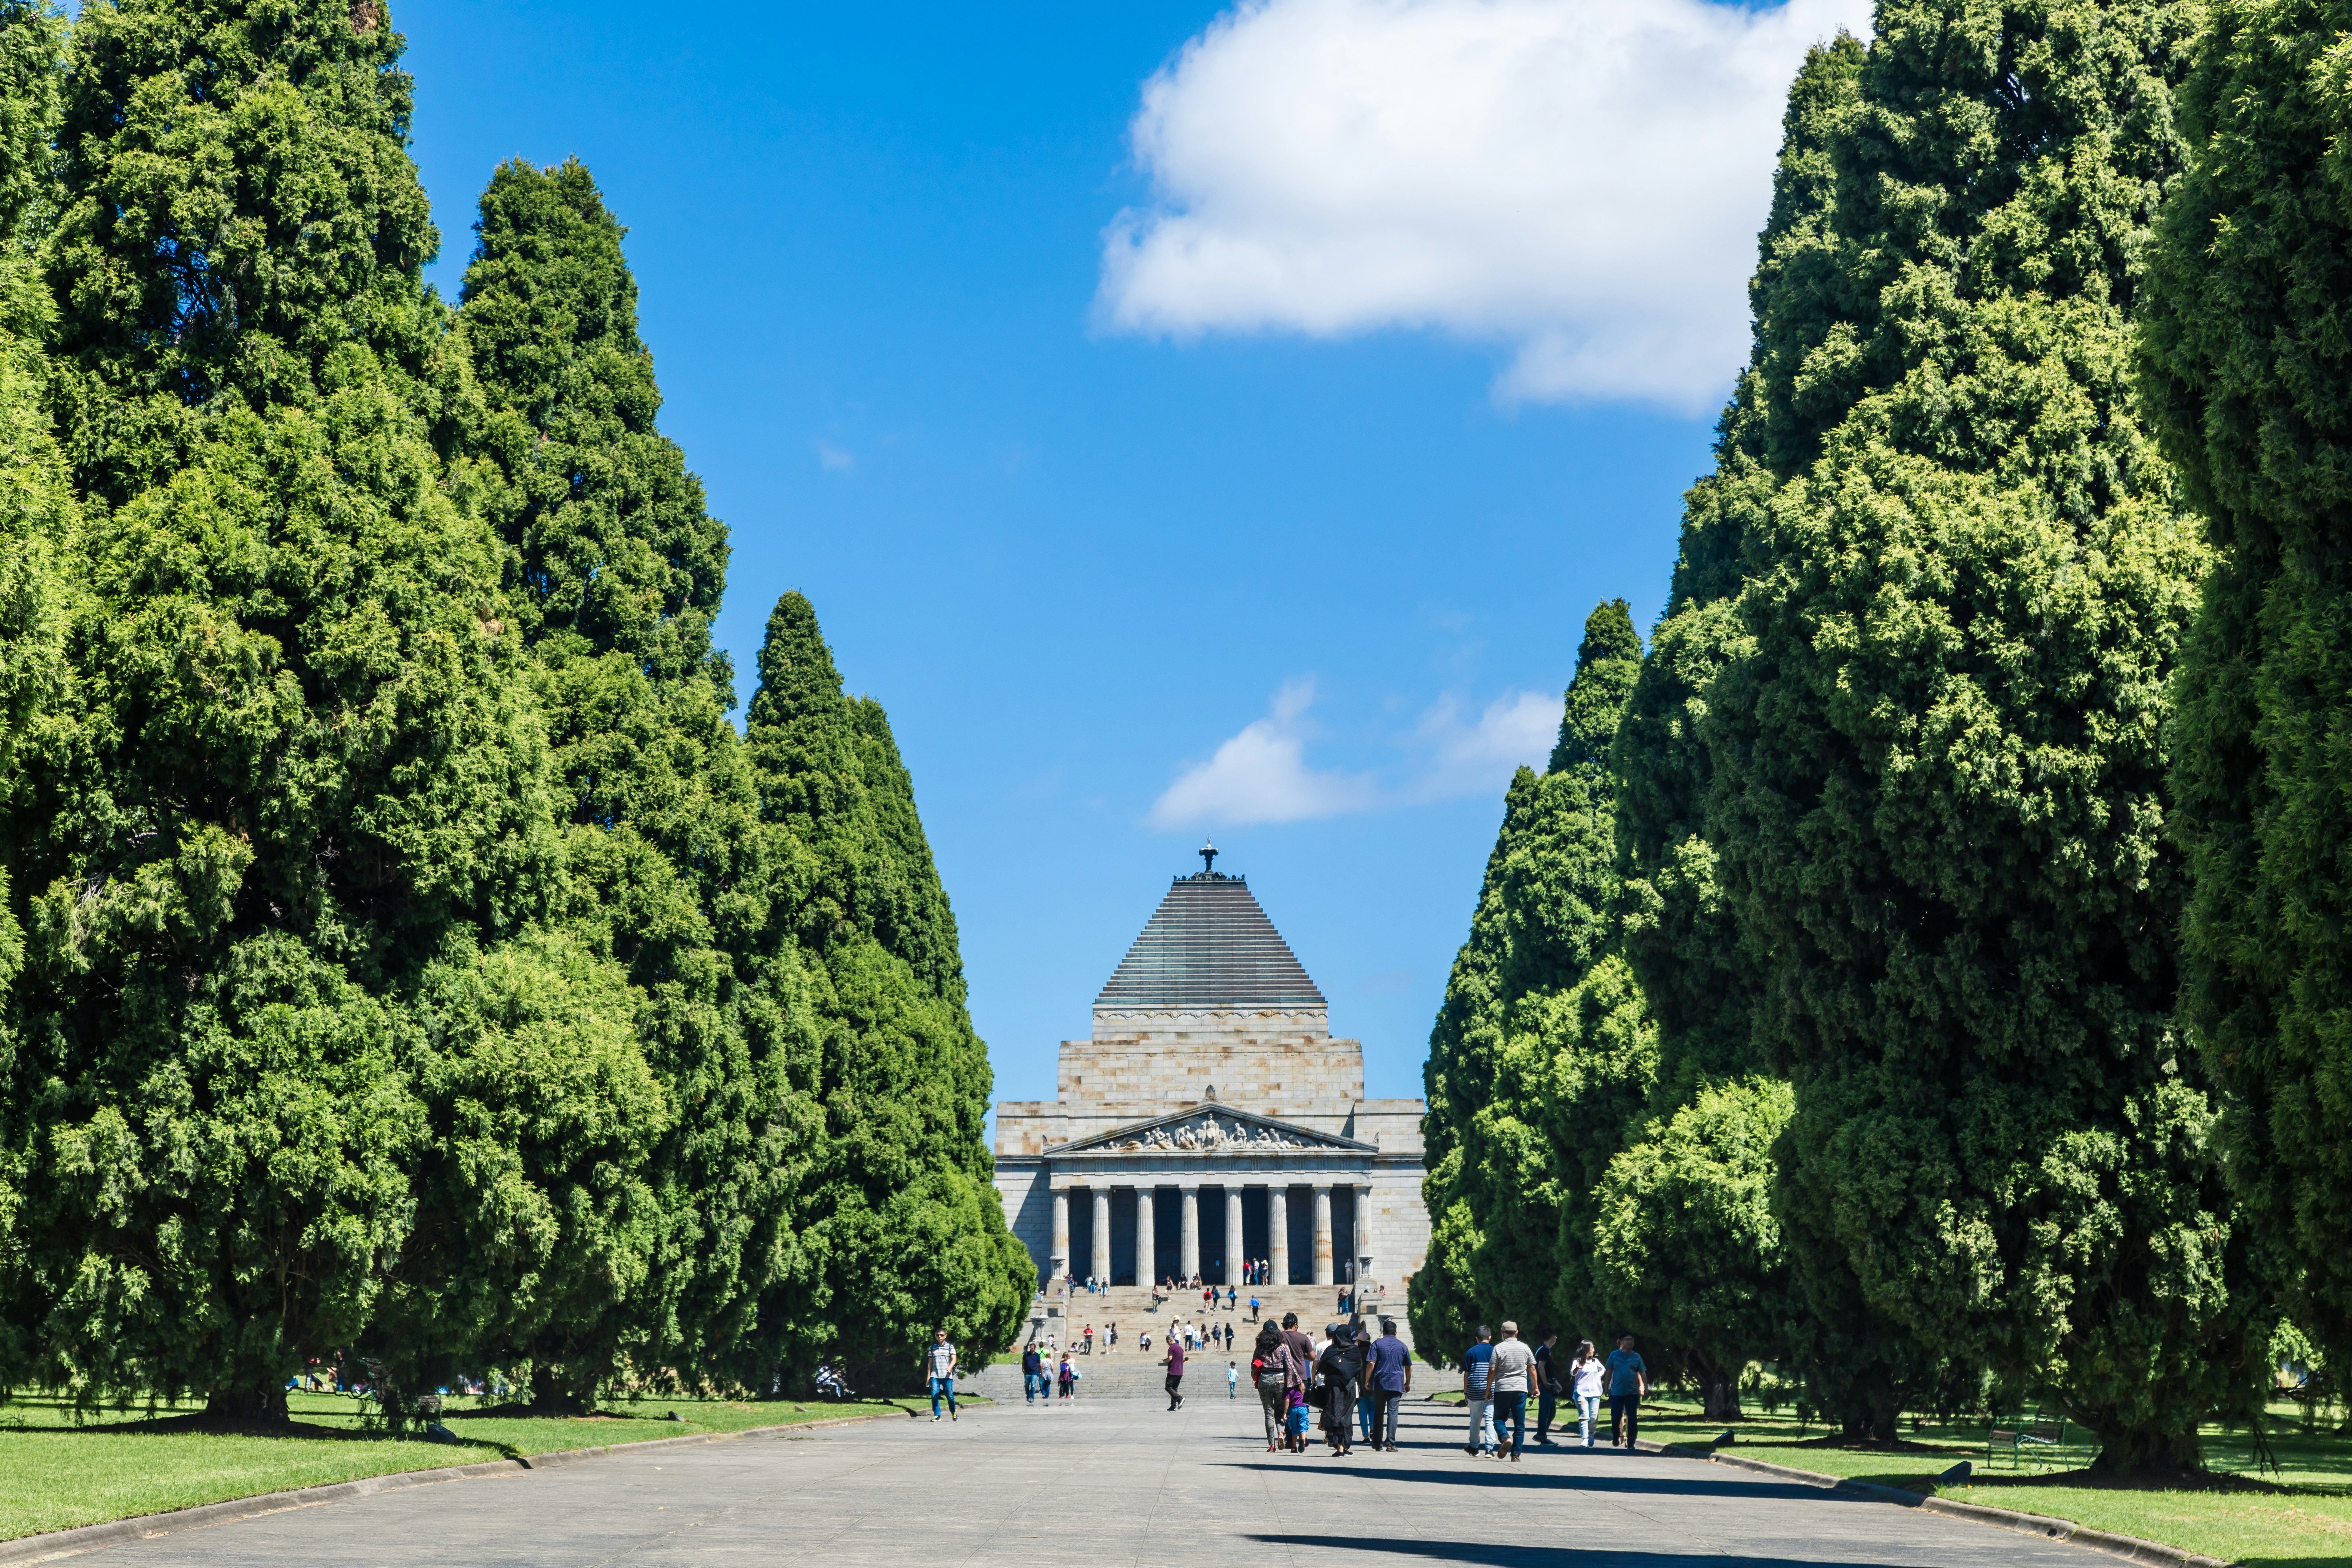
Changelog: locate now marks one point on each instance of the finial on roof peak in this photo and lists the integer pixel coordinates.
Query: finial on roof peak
(1208, 853)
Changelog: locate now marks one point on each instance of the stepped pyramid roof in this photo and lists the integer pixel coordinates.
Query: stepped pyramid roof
(1209, 945)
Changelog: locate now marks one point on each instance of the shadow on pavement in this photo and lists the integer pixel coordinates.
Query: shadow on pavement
(1650, 1483)
(1494, 1554)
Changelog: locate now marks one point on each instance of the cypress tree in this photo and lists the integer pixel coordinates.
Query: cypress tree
(615, 567)
(36, 518)
(1542, 1053)
(298, 769)
(899, 1217)
(1937, 794)
(2249, 379)
(1719, 1082)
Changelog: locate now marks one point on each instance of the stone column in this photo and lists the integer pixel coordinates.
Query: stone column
(1277, 1233)
(1188, 1260)
(1100, 1263)
(1059, 1263)
(1233, 1233)
(1323, 1234)
(1147, 1243)
(1364, 1247)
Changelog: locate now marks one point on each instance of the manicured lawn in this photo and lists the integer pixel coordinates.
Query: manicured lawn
(2307, 1523)
(56, 1473)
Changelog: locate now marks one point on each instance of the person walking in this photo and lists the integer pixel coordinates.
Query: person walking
(1389, 1373)
(1253, 1309)
(1584, 1386)
(1088, 1347)
(1342, 1366)
(1476, 1361)
(1233, 1380)
(940, 1366)
(1069, 1377)
(1546, 1387)
(1509, 1375)
(1629, 1381)
(1270, 1371)
(1367, 1407)
(1302, 1356)
(1174, 1362)
(1032, 1373)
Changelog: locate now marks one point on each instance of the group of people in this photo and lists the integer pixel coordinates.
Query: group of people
(1350, 1377)
(1499, 1376)
(1040, 1374)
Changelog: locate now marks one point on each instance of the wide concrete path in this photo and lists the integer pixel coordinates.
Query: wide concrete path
(1109, 1482)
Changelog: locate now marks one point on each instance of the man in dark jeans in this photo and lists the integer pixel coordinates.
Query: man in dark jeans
(1628, 1380)
(1546, 1387)
(1390, 1374)
(1174, 1360)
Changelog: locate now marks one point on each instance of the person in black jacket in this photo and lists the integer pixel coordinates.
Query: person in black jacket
(1342, 1366)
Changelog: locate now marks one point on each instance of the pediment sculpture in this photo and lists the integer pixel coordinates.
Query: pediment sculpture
(1206, 1133)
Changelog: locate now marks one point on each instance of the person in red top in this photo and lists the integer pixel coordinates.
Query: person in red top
(1174, 1362)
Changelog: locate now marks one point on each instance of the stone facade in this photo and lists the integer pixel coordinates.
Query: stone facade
(1211, 1117)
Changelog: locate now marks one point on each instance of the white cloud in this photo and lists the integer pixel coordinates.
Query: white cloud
(1582, 179)
(1480, 755)
(1261, 775)
(834, 459)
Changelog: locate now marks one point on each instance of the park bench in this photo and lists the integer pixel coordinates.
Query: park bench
(2022, 1438)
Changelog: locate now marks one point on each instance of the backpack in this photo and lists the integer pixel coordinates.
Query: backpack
(1272, 1372)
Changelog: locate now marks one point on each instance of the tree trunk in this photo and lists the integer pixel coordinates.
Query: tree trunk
(1718, 1387)
(552, 1394)
(262, 1406)
(2149, 1453)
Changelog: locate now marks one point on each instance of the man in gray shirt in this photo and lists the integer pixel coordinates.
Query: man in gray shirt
(1510, 1375)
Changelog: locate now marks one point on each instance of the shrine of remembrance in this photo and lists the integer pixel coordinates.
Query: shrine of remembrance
(1212, 1118)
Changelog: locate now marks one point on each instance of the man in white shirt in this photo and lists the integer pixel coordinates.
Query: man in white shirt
(940, 1366)
(1509, 1377)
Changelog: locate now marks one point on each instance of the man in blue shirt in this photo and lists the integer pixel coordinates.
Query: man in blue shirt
(1476, 1361)
(1390, 1376)
(1628, 1380)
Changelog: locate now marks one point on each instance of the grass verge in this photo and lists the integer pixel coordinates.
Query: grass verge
(2297, 1516)
(57, 1473)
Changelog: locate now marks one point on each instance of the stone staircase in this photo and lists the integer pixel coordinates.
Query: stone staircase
(1127, 1371)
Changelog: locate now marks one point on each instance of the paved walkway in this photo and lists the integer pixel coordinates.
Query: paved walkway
(1109, 1482)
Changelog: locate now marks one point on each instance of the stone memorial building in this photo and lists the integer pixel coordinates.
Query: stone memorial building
(1210, 1117)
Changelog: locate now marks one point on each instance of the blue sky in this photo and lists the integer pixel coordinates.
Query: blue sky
(1075, 559)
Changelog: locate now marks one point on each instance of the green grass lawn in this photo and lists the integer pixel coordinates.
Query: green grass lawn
(56, 1473)
(2302, 1517)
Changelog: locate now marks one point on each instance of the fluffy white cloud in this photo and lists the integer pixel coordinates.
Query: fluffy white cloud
(1468, 758)
(1580, 178)
(1262, 774)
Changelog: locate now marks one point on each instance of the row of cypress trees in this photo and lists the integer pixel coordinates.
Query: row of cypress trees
(404, 960)
(1932, 980)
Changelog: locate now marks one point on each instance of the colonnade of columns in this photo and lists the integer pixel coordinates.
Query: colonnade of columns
(1277, 1216)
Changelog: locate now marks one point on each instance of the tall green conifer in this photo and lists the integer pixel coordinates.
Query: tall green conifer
(1543, 1052)
(1937, 798)
(615, 567)
(900, 1218)
(2250, 375)
(298, 770)
(1694, 1253)
(36, 517)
